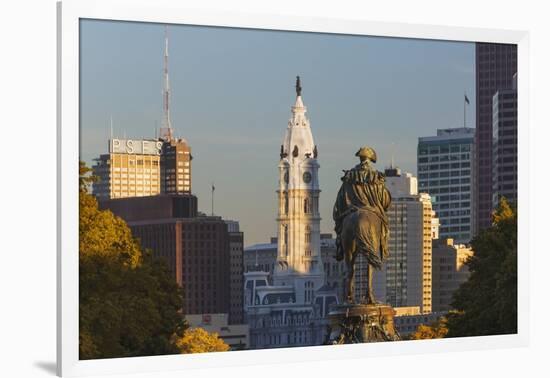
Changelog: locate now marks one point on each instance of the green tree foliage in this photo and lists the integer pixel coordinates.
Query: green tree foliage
(129, 303)
(486, 304)
(436, 330)
(197, 340)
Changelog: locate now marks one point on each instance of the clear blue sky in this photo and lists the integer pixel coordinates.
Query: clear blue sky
(232, 90)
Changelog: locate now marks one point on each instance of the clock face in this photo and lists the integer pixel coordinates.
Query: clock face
(307, 177)
(286, 177)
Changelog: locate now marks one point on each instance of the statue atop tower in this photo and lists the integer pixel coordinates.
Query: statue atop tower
(298, 86)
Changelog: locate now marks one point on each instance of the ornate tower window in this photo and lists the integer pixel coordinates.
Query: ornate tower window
(308, 234)
(307, 206)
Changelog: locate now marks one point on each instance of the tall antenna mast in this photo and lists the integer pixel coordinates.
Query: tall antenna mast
(166, 127)
(111, 127)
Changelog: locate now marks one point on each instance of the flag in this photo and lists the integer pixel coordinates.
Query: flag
(466, 99)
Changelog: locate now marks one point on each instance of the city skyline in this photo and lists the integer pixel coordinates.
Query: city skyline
(236, 112)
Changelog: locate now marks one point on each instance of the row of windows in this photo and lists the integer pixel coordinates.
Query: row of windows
(423, 176)
(452, 197)
(136, 170)
(453, 205)
(435, 167)
(456, 229)
(427, 183)
(452, 148)
(452, 189)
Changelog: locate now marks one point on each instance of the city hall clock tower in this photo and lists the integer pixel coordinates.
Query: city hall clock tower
(298, 252)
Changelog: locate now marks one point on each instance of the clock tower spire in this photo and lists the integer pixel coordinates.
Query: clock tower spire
(298, 219)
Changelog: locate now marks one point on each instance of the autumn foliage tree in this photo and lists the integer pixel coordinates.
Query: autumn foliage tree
(486, 304)
(197, 340)
(436, 330)
(129, 303)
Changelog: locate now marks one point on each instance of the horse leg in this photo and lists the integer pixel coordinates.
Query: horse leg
(350, 259)
(370, 295)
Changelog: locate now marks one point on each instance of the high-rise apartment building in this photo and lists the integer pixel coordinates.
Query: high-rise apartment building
(449, 271)
(505, 144)
(406, 276)
(496, 65)
(445, 172)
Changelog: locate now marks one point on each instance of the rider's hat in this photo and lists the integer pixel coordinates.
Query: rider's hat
(367, 152)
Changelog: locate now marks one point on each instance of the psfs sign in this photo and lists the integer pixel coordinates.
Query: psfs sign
(130, 146)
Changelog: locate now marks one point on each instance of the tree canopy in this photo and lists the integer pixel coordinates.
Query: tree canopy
(129, 303)
(436, 330)
(486, 304)
(197, 340)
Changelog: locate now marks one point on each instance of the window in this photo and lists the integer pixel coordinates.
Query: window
(307, 206)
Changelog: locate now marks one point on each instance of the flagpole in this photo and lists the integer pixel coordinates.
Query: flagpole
(213, 199)
(464, 109)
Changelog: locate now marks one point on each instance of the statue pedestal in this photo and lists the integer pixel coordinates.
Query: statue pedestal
(361, 323)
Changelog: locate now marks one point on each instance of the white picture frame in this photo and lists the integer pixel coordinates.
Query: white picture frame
(69, 14)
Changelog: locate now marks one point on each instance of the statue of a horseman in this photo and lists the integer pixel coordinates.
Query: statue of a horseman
(361, 220)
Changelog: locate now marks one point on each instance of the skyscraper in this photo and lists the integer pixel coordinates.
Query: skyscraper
(406, 276)
(505, 144)
(197, 249)
(496, 65)
(445, 172)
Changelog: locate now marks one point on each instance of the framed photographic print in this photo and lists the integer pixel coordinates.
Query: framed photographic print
(252, 185)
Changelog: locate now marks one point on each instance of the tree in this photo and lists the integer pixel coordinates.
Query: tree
(197, 340)
(486, 304)
(129, 303)
(436, 330)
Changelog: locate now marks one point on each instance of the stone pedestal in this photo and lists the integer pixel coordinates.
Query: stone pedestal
(361, 323)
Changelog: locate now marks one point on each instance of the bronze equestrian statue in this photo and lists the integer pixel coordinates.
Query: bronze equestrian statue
(361, 223)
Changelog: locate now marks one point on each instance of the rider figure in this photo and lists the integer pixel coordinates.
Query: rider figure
(362, 174)
(361, 223)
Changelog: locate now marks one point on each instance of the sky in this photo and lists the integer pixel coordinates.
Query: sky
(232, 90)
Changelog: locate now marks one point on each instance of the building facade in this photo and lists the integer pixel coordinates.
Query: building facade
(448, 272)
(197, 249)
(234, 335)
(407, 319)
(236, 263)
(289, 308)
(406, 276)
(263, 257)
(505, 144)
(130, 169)
(496, 65)
(445, 172)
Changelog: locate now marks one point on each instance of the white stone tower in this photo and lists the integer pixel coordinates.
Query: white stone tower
(298, 253)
